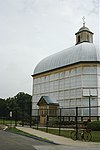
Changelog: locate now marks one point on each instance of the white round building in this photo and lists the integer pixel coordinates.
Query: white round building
(72, 76)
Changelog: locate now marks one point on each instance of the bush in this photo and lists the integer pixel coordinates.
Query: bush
(95, 125)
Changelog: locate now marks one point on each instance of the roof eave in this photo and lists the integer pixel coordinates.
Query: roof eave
(83, 31)
(64, 67)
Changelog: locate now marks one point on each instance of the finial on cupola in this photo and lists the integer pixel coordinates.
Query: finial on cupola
(83, 21)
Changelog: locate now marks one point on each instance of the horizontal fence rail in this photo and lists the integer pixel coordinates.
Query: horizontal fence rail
(60, 118)
(66, 118)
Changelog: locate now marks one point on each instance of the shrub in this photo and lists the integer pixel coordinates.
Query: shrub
(95, 125)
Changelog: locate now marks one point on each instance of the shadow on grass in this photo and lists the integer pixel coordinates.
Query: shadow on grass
(19, 132)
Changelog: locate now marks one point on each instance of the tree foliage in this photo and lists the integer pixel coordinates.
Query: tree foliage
(2, 107)
(20, 105)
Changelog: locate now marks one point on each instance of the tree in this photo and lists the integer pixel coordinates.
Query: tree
(19, 105)
(3, 110)
(24, 102)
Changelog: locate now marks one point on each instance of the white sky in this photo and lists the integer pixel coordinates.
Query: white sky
(30, 30)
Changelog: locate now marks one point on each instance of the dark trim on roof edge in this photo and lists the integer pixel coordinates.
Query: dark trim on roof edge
(85, 62)
(83, 42)
(83, 31)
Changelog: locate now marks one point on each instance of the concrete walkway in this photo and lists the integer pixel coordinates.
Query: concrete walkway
(58, 139)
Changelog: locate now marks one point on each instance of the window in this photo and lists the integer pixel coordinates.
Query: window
(78, 38)
(87, 37)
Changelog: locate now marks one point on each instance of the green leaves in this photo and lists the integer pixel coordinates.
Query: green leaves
(17, 104)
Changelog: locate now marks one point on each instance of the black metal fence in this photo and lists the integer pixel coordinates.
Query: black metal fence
(67, 118)
(16, 117)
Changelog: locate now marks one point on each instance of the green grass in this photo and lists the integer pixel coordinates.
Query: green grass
(66, 133)
(8, 122)
(95, 136)
(5, 122)
(15, 130)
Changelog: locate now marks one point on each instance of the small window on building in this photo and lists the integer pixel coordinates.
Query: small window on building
(78, 38)
(87, 37)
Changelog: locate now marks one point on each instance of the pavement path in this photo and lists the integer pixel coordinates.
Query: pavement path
(63, 147)
(11, 141)
(59, 139)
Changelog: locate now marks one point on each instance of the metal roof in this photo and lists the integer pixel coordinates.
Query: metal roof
(48, 100)
(83, 29)
(84, 52)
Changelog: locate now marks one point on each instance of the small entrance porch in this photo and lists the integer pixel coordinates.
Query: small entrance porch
(47, 107)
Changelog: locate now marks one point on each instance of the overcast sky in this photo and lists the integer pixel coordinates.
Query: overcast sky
(31, 30)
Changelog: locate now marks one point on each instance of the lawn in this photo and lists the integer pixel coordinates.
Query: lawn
(66, 133)
(2, 121)
(8, 122)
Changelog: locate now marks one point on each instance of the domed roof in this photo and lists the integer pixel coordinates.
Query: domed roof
(84, 52)
(84, 28)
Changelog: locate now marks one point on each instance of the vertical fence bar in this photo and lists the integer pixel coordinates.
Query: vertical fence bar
(23, 114)
(97, 118)
(60, 123)
(37, 119)
(76, 122)
(23, 118)
(47, 119)
(16, 118)
(30, 114)
(81, 118)
(4, 120)
(90, 107)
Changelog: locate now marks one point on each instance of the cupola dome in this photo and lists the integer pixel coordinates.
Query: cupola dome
(83, 51)
(84, 35)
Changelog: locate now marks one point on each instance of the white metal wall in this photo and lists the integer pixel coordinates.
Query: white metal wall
(67, 86)
(98, 73)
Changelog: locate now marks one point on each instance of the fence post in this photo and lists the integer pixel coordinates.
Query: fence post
(47, 123)
(4, 120)
(76, 122)
(23, 118)
(97, 118)
(30, 114)
(23, 114)
(16, 118)
(37, 119)
(90, 107)
(60, 123)
(81, 118)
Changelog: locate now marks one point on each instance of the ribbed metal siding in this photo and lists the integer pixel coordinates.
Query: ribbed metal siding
(81, 52)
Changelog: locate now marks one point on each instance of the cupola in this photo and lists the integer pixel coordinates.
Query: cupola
(84, 34)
